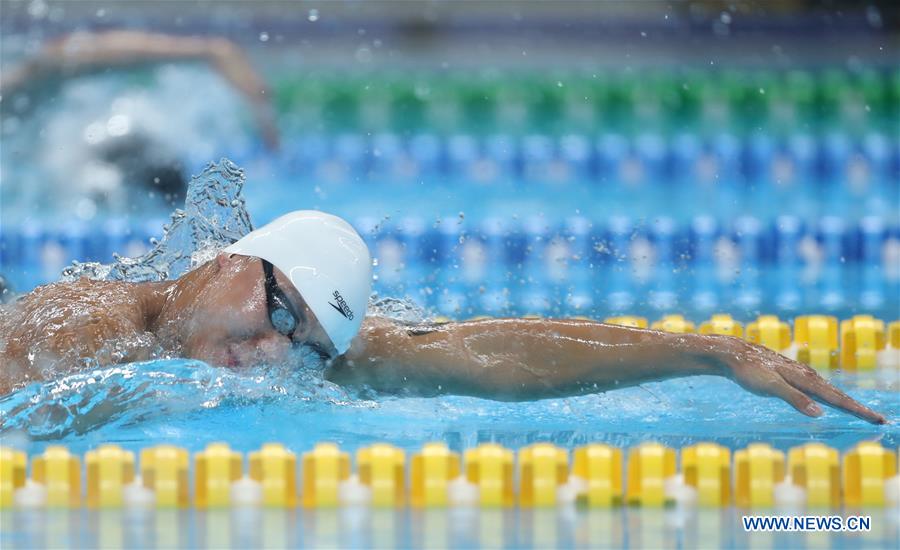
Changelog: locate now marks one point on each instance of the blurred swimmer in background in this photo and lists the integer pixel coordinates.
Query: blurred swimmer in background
(97, 138)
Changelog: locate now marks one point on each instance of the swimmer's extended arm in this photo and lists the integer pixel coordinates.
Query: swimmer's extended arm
(83, 52)
(521, 359)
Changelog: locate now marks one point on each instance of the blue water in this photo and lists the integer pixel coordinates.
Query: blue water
(190, 404)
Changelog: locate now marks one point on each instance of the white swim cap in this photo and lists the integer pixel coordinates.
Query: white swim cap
(327, 262)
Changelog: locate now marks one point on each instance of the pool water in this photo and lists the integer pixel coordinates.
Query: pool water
(458, 528)
(189, 404)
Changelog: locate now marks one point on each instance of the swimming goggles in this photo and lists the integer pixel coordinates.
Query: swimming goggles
(284, 318)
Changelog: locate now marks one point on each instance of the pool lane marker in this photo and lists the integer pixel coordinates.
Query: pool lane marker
(757, 470)
(757, 477)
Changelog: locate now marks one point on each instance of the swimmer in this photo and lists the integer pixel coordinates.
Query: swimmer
(140, 157)
(85, 52)
(304, 280)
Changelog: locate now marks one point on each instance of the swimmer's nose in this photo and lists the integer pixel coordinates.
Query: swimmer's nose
(273, 347)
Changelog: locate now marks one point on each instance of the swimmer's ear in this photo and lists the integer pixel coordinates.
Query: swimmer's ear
(223, 259)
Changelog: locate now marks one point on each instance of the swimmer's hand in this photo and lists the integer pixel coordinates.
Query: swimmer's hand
(766, 372)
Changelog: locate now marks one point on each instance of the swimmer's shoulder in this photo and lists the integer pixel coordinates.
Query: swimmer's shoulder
(78, 310)
(55, 327)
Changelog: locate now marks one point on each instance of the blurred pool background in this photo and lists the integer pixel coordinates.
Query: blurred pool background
(501, 158)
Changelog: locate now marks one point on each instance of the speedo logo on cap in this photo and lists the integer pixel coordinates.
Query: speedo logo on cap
(342, 306)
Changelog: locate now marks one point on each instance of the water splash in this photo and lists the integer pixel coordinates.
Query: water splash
(126, 395)
(215, 215)
(403, 310)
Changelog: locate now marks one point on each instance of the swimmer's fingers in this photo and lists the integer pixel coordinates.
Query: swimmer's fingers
(767, 381)
(766, 372)
(796, 398)
(807, 380)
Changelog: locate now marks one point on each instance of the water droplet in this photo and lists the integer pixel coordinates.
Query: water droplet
(118, 125)
(38, 9)
(263, 37)
(363, 55)
(313, 15)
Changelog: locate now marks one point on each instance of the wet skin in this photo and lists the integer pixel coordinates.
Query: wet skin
(217, 313)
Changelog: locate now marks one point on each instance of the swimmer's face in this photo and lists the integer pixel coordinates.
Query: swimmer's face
(239, 319)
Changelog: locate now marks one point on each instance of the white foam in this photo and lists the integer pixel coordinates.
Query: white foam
(246, 492)
(680, 492)
(135, 495)
(32, 495)
(888, 358)
(460, 492)
(791, 351)
(789, 496)
(352, 492)
(892, 491)
(567, 493)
